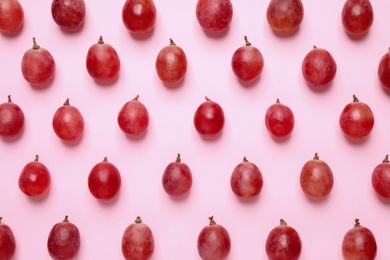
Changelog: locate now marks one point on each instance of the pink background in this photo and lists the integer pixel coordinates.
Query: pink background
(177, 223)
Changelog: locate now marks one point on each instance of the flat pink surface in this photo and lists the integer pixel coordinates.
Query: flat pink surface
(177, 223)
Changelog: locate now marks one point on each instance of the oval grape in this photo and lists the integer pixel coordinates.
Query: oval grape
(11, 16)
(357, 16)
(177, 178)
(11, 119)
(209, 119)
(34, 179)
(68, 14)
(214, 16)
(246, 180)
(380, 179)
(285, 16)
(279, 120)
(139, 16)
(133, 118)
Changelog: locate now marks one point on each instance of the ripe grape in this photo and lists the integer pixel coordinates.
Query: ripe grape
(316, 178)
(246, 180)
(384, 71)
(11, 119)
(214, 16)
(38, 66)
(139, 16)
(209, 119)
(171, 64)
(247, 62)
(104, 180)
(103, 63)
(285, 16)
(68, 14)
(356, 120)
(133, 118)
(283, 243)
(279, 120)
(380, 178)
(34, 179)
(319, 68)
(137, 241)
(359, 243)
(68, 123)
(357, 16)
(213, 242)
(7, 242)
(177, 178)
(11, 16)
(64, 240)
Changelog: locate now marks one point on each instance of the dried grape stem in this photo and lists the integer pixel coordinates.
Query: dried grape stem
(212, 222)
(386, 160)
(136, 98)
(35, 45)
(9, 98)
(316, 157)
(178, 158)
(36, 158)
(105, 159)
(171, 42)
(245, 159)
(101, 40)
(66, 103)
(247, 43)
(357, 223)
(138, 220)
(207, 99)
(355, 99)
(66, 219)
(282, 222)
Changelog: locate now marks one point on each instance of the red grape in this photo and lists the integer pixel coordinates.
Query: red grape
(283, 243)
(380, 178)
(316, 178)
(177, 178)
(11, 16)
(139, 16)
(209, 119)
(137, 241)
(7, 242)
(68, 123)
(68, 14)
(213, 242)
(133, 118)
(359, 243)
(384, 71)
(38, 66)
(246, 180)
(357, 16)
(103, 63)
(247, 62)
(11, 119)
(64, 240)
(104, 180)
(34, 179)
(214, 16)
(356, 120)
(319, 68)
(279, 120)
(285, 16)
(171, 64)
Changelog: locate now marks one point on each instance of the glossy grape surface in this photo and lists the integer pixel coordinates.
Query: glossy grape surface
(279, 120)
(380, 178)
(11, 16)
(209, 119)
(384, 71)
(34, 179)
(133, 118)
(177, 178)
(11, 119)
(246, 180)
(68, 14)
(285, 16)
(214, 16)
(7, 242)
(357, 16)
(139, 16)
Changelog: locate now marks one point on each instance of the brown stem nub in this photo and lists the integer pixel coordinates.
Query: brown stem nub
(178, 159)
(66, 103)
(138, 220)
(386, 160)
(282, 222)
(101, 40)
(212, 222)
(1, 219)
(314, 47)
(105, 159)
(66, 219)
(355, 99)
(245, 159)
(171, 42)
(277, 101)
(136, 98)
(35, 45)
(36, 158)
(357, 223)
(316, 157)
(247, 43)
(207, 99)
(9, 98)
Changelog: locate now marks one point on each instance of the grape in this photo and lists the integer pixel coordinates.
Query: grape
(283, 243)
(316, 178)
(356, 120)
(38, 66)
(11, 16)
(11, 119)
(104, 180)
(247, 62)
(102, 61)
(68, 123)
(246, 180)
(137, 241)
(177, 178)
(133, 118)
(7, 242)
(34, 179)
(64, 240)
(279, 120)
(384, 71)
(214, 16)
(213, 242)
(68, 14)
(380, 178)
(171, 64)
(359, 243)
(319, 68)
(357, 16)
(139, 16)
(285, 16)
(209, 119)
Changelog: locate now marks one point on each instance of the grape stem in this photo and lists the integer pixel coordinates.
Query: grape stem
(138, 220)
(66, 219)
(101, 40)
(66, 103)
(105, 159)
(9, 98)
(245, 159)
(212, 222)
(355, 99)
(282, 222)
(35, 45)
(207, 99)
(386, 160)
(171, 42)
(1, 219)
(277, 101)
(36, 158)
(247, 43)
(316, 157)
(357, 223)
(136, 98)
(178, 160)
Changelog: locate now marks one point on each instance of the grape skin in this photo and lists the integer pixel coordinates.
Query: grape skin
(177, 178)
(11, 119)
(380, 179)
(357, 16)
(246, 180)
(279, 120)
(139, 16)
(11, 16)
(68, 14)
(133, 118)
(209, 119)
(285, 16)
(7, 242)
(214, 16)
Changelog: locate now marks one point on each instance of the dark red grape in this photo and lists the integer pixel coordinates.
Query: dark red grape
(11, 16)
(11, 119)
(34, 179)
(209, 119)
(133, 118)
(356, 120)
(247, 62)
(359, 243)
(279, 120)
(214, 16)
(177, 178)
(283, 243)
(104, 180)
(380, 178)
(68, 123)
(285, 16)
(357, 16)
(214, 242)
(139, 16)
(64, 240)
(7, 242)
(137, 241)
(68, 14)
(246, 180)
(384, 71)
